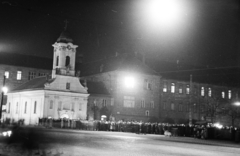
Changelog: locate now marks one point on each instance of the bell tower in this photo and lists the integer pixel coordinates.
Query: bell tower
(64, 56)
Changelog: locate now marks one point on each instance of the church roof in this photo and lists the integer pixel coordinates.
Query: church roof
(65, 37)
(97, 88)
(125, 62)
(34, 84)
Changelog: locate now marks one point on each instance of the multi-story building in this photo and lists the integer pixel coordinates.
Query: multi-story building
(133, 86)
(182, 101)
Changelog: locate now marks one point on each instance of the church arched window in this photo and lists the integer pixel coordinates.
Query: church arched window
(57, 60)
(67, 61)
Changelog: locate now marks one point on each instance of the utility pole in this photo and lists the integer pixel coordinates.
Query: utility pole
(190, 101)
(2, 97)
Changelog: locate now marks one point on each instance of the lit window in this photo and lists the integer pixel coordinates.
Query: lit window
(25, 110)
(209, 92)
(147, 113)
(187, 89)
(229, 94)
(51, 104)
(6, 73)
(19, 75)
(142, 103)
(223, 94)
(68, 85)
(129, 101)
(35, 107)
(172, 87)
(180, 89)
(172, 106)
(152, 104)
(202, 91)
(165, 87)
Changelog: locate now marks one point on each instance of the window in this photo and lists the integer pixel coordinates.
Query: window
(25, 109)
(147, 84)
(180, 108)
(165, 87)
(104, 103)
(187, 89)
(142, 103)
(147, 113)
(172, 87)
(129, 101)
(195, 107)
(66, 106)
(209, 92)
(9, 106)
(57, 60)
(223, 94)
(229, 94)
(187, 107)
(172, 106)
(41, 74)
(6, 74)
(80, 106)
(202, 91)
(180, 89)
(67, 85)
(35, 107)
(152, 104)
(164, 105)
(51, 104)
(112, 102)
(31, 75)
(19, 75)
(16, 107)
(67, 61)
(59, 105)
(73, 105)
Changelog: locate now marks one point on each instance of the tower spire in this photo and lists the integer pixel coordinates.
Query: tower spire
(66, 23)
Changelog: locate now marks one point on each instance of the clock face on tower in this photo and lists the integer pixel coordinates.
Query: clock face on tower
(69, 47)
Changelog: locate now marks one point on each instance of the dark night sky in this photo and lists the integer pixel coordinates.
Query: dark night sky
(207, 33)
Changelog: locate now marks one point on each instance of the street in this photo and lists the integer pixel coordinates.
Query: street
(61, 142)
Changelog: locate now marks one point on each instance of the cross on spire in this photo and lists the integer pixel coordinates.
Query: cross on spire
(66, 22)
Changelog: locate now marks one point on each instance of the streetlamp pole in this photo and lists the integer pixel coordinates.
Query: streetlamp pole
(2, 97)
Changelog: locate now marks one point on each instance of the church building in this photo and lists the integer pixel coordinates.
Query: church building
(58, 96)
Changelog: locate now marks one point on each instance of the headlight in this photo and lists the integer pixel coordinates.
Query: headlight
(7, 133)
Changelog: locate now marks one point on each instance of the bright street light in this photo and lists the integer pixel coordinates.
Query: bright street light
(237, 103)
(129, 82)
(4, 90)
(163, 12)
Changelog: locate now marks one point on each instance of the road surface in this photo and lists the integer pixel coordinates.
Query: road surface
(62, 142)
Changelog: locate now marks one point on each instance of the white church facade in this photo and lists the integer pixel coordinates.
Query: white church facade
(59, 96)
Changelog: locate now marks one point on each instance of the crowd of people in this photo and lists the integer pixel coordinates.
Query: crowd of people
(204, 131)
